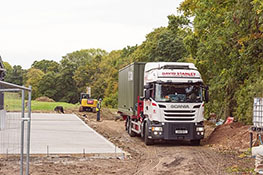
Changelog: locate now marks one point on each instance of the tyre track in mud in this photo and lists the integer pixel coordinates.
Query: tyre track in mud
(158, 157)
(163, 158)
(185, 159)
(211, 165)
(145, 157)
(153, 158)
(206, 161)
(178, 159)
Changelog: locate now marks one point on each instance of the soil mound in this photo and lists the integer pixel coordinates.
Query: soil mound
(105, 114)
(230, 136)
(44, 99)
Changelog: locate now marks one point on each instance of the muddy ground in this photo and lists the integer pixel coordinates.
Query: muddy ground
(161, 158)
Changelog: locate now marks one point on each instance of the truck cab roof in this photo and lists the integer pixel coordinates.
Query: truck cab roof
(172, 72)
(169, 65)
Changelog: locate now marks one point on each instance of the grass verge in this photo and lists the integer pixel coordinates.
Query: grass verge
(49, 106)
(13, 102)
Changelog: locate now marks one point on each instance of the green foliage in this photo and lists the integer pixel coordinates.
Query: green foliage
(163, 44)
(111, 101)
(34, 76)
(83, 57)
(79, 70)
(48, 86)
(65, 84)
(12, 101)
(14, 75)
(7, 66)
(227, 43)
(46, 66)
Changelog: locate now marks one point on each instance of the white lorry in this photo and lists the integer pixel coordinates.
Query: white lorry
(163, 101)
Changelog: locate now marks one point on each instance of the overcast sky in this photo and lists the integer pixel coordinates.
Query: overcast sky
(49, 29)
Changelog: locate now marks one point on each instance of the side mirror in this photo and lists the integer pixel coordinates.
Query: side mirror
(206, 94)
(147, 94)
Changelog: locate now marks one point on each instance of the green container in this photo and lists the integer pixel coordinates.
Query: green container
(130, 87)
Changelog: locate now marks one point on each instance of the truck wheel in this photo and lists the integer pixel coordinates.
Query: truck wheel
(130, 132)
(195, 142)
(147, 141)
(80, 109)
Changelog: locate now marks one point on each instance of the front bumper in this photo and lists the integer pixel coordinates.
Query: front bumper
(176, 131)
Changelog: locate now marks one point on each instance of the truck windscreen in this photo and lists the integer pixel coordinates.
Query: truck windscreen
(175, 93)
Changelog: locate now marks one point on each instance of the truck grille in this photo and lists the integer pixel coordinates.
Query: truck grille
(179, 115)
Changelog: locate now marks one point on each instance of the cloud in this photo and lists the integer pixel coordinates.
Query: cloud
(34, 30)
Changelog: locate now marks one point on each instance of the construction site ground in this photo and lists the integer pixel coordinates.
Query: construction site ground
(223, 151)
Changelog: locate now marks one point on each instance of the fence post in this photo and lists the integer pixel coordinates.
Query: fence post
(28, 130)
(22, 134)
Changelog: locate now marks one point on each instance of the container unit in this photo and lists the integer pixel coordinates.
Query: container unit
(131, 80)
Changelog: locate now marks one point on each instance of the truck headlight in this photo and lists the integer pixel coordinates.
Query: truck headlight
(157, 129)
(200, 129)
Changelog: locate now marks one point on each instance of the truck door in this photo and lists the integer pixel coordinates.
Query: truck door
(149, 95)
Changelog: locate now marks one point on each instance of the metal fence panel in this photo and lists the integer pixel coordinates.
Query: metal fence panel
(15, 121)
(258, 112)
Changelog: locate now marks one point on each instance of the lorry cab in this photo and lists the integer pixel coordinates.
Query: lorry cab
(174, 101)
(162, 101)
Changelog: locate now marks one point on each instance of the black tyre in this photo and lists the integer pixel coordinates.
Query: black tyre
(195, 142)
(130, 132)
(88, 109)
(147, 141)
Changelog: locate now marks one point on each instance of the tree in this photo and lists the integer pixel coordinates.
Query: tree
(164, 43)
(84, 56)
(34, 77)
(48, 86)
(15, 75)
(7, 66)
(66, 86)
(46, 66)
(227, 45)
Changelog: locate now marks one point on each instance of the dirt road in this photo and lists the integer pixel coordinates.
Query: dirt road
(171, 158)
(161, 158)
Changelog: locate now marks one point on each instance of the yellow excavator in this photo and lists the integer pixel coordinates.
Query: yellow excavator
(87, 103)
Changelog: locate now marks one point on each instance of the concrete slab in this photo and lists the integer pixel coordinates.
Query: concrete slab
(66, 134)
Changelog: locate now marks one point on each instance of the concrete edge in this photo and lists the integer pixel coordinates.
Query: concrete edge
(106, 140)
